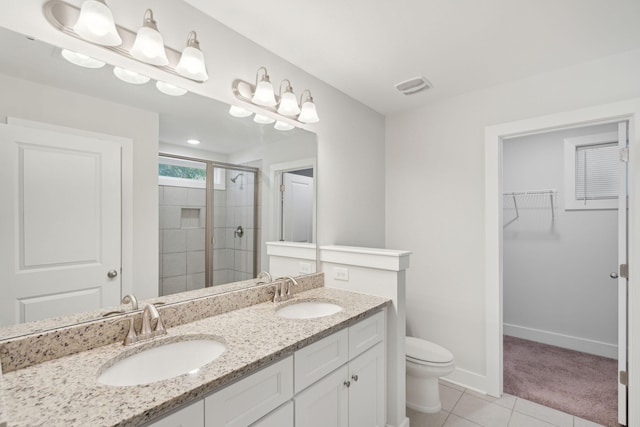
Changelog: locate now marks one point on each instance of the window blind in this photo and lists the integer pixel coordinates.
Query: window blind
(597, 171)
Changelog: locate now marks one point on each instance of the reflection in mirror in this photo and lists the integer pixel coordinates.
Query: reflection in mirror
(89, 146)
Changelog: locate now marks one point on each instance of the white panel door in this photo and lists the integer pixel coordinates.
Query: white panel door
(622, 281)
(297, 208)
(60, 222)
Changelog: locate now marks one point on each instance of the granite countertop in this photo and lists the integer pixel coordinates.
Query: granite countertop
(64, 391)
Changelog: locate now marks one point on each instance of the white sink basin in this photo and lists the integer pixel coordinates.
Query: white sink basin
(162, 362)
(308, 310)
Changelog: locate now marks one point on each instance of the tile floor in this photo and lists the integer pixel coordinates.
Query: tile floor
(465, 408)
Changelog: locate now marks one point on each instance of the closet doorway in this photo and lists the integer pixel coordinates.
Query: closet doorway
(564, 302)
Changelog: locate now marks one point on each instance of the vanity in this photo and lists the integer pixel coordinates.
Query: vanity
(274, 370)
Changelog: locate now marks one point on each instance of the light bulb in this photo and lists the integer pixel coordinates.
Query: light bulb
(263, 120)
(130, 76)
(81, 60)
(149, 45)
(288, 104)
(308, 113)
(169, 89)
(283, 126)
(96, 24)
(191, 64)
(239, 112)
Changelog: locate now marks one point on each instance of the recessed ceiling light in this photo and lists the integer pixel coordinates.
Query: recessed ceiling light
(193, 141)
(414, 85)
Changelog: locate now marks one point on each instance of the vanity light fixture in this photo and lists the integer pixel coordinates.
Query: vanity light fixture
(193, 141)
(191, 64)
(149, 45)
(236, 111)
(96, 24)
(308, 113)
(283, 126)
(284, 104)
(288, 105)
(263, 94)
(169, 89)
(81, 60)
(262, 119)
(130, 76)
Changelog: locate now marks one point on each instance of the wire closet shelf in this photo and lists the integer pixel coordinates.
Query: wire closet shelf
(540, 199)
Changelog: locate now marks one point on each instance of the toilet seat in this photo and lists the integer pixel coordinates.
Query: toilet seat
(427, 353)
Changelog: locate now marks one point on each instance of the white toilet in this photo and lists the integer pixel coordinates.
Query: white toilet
(426, 362)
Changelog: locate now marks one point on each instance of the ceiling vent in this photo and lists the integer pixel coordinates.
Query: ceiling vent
(414, 85)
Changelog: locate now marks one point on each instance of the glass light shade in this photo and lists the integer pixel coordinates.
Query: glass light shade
(264, 95)
(239, 112)
(288, 105)
(191, 64)
(169, 89)
(263, 120)
(149, 47)
(308, 113)
(283, 126)
(96, 24)
(81, 60)
(130, 76)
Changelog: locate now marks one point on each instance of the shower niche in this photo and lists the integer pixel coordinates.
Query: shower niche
(208, 226)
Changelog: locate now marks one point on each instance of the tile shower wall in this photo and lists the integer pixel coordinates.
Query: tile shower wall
(182, 239)
(233, 207)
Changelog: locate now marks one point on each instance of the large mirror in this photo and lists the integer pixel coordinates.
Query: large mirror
(91, 163)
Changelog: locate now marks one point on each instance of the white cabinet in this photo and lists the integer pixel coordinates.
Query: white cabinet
(352, 395)
(320, 358)
(366, 389)
(190, 416)
(281, 417)
(249, 399)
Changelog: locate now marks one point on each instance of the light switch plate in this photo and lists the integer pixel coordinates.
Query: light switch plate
(341, 273)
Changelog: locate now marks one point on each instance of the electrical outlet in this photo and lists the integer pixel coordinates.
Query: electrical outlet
(341, 273)
(305, 268)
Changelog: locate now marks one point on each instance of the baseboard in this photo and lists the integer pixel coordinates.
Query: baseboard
(565, 341)
(404, 423)
(467, 379)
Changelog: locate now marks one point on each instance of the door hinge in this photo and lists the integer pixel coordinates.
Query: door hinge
(624, 271)
(624, 154)
(624, 378)
(282, 188)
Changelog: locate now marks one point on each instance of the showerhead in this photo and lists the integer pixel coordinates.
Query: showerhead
(236, 177)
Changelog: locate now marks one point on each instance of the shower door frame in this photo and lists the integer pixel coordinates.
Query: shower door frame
(209, 239)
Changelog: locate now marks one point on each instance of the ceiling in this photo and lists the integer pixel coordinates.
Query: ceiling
(365, 47)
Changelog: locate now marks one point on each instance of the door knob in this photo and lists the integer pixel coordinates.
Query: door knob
(112, 274)
(613, 275)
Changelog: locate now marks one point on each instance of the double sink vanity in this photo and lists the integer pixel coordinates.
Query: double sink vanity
(233, 359)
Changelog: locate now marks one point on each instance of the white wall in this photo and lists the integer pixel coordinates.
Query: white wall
(436, 154)
(31, 101)
(350, 135)
(557, 288)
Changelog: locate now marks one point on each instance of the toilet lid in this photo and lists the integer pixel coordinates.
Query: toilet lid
(426, 351)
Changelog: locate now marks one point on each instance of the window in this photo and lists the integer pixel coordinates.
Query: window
(182, 173)
(592, 165)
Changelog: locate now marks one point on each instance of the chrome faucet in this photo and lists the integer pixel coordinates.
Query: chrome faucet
(285, 291)
(262, 276)
(149, 313)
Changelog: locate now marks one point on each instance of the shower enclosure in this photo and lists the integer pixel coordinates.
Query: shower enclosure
(208, 226)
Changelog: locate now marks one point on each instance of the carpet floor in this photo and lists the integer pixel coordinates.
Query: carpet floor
(577, 383)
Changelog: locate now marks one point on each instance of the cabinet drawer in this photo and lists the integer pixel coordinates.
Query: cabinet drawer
(251, 398)
(191, 416)
(320, 358)
(365, 334)
(281, 417)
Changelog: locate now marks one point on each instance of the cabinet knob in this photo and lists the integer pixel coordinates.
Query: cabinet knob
(347, 384)
(354, 377)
